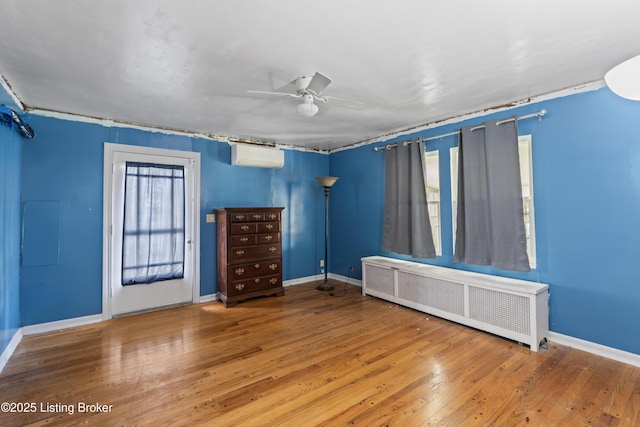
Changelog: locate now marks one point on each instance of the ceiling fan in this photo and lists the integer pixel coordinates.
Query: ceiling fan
(309, 89)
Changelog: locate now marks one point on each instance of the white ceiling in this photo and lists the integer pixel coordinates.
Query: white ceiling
(187, 64)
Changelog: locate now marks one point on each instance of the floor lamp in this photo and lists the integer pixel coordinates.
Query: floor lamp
(326, 182)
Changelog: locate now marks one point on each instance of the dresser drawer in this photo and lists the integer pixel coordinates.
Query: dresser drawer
(268, 238)
(256, 216)
(254, 269)
(272, 216)
(254, 252)
(240, 217)
(268, 227)
(244, 240)
(247, 286)
(244, 228)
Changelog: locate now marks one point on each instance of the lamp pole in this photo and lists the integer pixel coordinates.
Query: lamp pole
(326, 182)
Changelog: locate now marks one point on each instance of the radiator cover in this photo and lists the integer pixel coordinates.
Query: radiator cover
(514, 309)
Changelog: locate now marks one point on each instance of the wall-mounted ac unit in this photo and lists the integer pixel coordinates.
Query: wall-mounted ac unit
(257, 156)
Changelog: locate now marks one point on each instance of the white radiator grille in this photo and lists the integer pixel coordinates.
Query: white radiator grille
(512, 308)
(440, 294)
(379, 279)
(500, 309)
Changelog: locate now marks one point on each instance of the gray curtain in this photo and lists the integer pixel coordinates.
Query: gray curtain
(490, 228)
(406, 215)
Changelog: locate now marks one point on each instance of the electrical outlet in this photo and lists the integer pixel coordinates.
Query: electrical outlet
(321, 263)
(211, 217)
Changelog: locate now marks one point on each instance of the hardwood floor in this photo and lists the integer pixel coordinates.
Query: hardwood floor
(308, 359)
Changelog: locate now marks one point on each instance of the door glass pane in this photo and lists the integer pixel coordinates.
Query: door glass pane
(153, 236)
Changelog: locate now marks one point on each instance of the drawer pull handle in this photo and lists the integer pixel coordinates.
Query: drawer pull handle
(257, 280)
(268, 237)
(244, 239)
(240, 286)
(256, 216)
(240, 216)
(273, 266)
(273, 249)
(257, 266)
(272, 216)
(244, 227)
(273, 281)
(239, 252)
(239, 271)
(269, 226)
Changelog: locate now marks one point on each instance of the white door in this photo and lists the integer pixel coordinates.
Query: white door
(150, 276)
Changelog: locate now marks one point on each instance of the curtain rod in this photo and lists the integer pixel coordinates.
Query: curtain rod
(538, 114)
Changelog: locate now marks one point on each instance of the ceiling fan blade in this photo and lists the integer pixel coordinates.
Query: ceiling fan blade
(288, 88)
(346, 102)
(318, 83)
(266, 92)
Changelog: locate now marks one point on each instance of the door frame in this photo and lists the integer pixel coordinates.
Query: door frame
(107, 220)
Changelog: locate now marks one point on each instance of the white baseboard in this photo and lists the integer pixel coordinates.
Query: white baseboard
(13, 344)
(317, 277)
(207, 298)
(42, 328)
(346, 279)
(301, 280)
(293, 282)
(597, 349)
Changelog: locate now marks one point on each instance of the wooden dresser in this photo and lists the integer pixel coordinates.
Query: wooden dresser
(249, 253)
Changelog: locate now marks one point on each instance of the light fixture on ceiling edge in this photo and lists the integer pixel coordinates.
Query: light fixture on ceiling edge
(308, 108)
(624, 79)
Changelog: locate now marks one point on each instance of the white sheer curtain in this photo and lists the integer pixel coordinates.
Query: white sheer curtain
(490, 225)
(153, 240)
(406, 213)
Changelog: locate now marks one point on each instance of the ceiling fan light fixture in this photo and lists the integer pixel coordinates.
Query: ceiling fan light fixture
(624, 80)
(308, 108)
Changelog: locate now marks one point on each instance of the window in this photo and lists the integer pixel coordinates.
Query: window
(526, 177)
(432, 178)
(153, 235)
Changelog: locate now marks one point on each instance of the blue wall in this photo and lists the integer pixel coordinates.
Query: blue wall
(63, 178)
(10, 163)
(586, 155)
(586, 160)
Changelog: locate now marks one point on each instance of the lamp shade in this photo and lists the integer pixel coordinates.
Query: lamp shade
(327, 181)
(624, 79)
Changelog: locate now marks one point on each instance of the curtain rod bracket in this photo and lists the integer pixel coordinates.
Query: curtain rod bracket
(541, 114)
